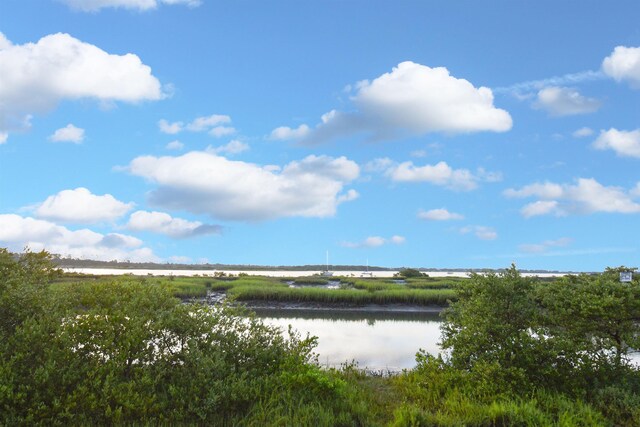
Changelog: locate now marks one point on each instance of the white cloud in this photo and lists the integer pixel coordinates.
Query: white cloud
(233, 147)
(624, 65)
(564, 101)
(170, 128)
(203, 182)
(220, 131)
(17, 232)
(3, 137)
(439, 215)
(480, 231)
(379, 165)
(624, 143)
(5, 43)
(440, 174)
(545, 246)
(348, 196)
(582, 132)
(286, 133)
(163, 223)
(36, 76)
(541, 207)
(584, 197)
(174, 145)
(412, 99)
(206, 123)
(69, 133)
(80, 206)
(212, 124)
(140, 5)
(375, 242)
(522, 90)
(398, 240)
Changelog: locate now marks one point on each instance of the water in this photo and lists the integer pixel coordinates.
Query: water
(378, 341)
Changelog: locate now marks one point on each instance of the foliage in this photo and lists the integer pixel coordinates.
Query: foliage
(410, 273)
(124, 350)
(23, 285)
(570, 337)
(128, 352)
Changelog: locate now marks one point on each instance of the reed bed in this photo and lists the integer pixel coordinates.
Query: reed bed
(342, 296)
(310, 280)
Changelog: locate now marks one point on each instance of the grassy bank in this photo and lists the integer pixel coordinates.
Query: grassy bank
(351, 291)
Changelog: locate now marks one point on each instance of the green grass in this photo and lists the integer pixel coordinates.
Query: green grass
(341, 296)
(310, 280)
(422, 291)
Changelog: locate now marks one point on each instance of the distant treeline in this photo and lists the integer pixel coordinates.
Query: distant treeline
(86, 263)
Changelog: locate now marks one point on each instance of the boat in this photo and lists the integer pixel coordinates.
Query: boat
(327, 272)
(367, 273)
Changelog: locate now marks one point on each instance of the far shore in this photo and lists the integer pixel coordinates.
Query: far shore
(272, 273)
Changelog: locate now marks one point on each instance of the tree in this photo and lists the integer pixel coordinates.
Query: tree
(598, 315)
(24, 282)
(495, 321)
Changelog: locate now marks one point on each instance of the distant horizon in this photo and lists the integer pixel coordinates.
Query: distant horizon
(281, 267)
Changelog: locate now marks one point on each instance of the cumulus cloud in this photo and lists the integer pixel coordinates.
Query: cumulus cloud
(170, 128)
(375, 241)
(163, 223)
(206, 123)
(624, 143)
(140, 5)
(564, 101)
(584, 197)
(439, 215)
(440, 174)
(412, 99)
(174, 145)
(541, 207)
(624, 65)
(81, 206)
(537, 248)
(37, 76)
(285, 133)
(203, 182)
(17, 232)
(233, 147)
(213, 125)
(582, 132)
(69, 133)
(480, 231)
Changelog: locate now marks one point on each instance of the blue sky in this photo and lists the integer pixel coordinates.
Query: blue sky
(410, 133)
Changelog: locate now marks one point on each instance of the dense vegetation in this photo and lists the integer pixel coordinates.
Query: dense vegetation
(126, 351)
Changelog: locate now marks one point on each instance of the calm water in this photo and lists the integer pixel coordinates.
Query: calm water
(374, 340)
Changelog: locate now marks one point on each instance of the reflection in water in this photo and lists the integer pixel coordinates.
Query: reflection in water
(374, 340)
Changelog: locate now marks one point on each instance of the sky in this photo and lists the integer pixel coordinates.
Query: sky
(440, 134)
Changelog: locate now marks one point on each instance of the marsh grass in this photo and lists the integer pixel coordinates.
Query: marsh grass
(423, 291)
(310, 280)
(341, 296)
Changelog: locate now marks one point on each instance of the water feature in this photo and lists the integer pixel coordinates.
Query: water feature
(378, 341)
(375, 340)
